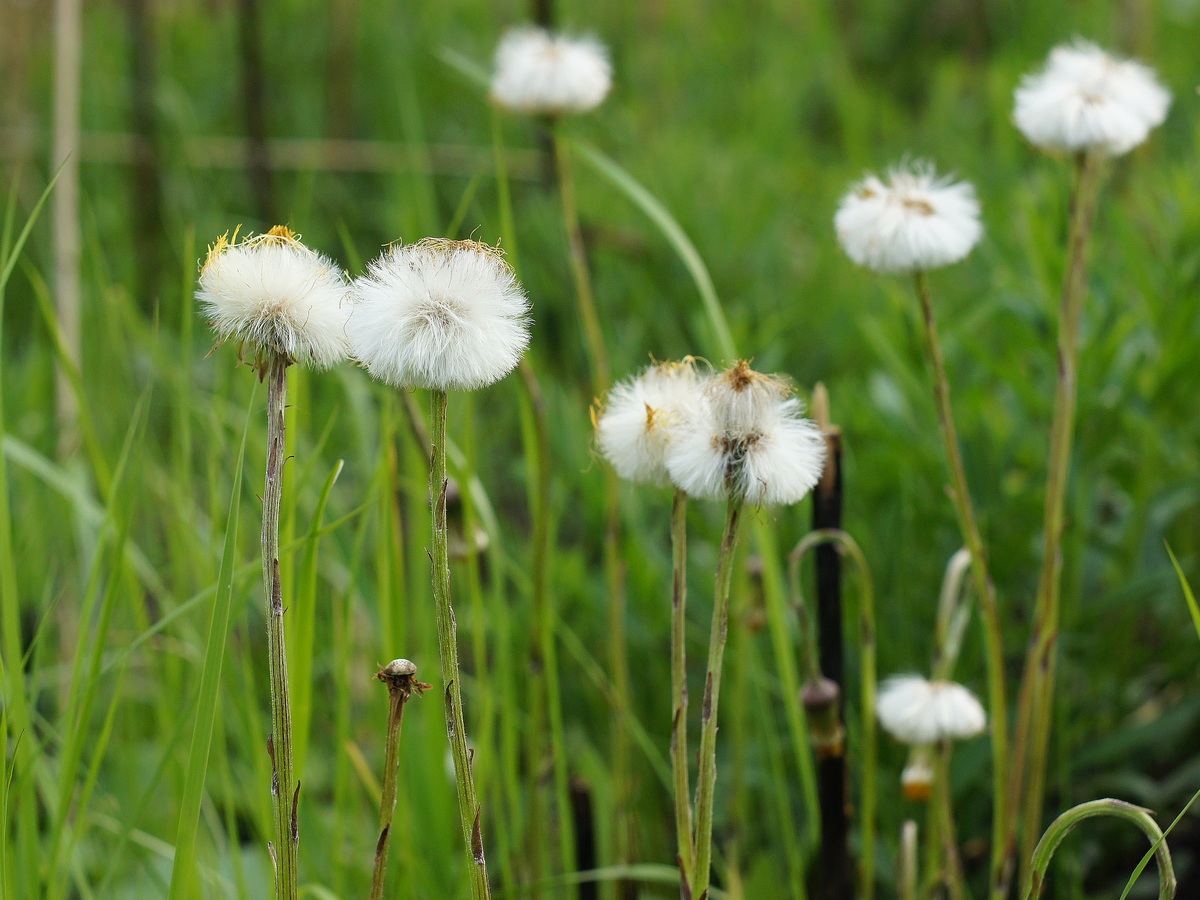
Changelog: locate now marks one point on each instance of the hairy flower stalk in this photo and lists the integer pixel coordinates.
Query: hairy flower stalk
(706, 779)
(284, 303)
(679, 695)
(912, 223)
(443, 315)
(745, 443)
(400, 677)
(1095, 106)
(634, 428)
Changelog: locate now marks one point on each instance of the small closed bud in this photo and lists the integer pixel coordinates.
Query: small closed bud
(822, 699)
(400, 675)
(917, 779)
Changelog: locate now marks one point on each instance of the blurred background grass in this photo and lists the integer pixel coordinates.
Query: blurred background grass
(748, 121)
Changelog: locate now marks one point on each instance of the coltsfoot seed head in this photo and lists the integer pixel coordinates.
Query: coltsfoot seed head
(916, 710)
(638, 418)
(749, 441)
(540, 73)
(911, 221)
(275, 295)
(1084, 98)
(439, 314)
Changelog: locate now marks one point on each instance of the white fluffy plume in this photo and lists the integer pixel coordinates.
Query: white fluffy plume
(1085, 98)
(642, 414)
(749, 440)
(916, 710)
(277, 296)
(912, 221)
(542, 73)
(440, 314)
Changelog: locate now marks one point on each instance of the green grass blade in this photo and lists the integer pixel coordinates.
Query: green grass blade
(621, 179)
(183, 872)
(1187, 592)
(303, 614)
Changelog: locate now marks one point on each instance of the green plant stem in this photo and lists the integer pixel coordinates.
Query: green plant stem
(846, 544)
(1037, 685)
(707, 776)
(468, 805)
(989, 610)
(1035, 882)
(952, 861)
(679, 697)
(401, 684)
(284, 790)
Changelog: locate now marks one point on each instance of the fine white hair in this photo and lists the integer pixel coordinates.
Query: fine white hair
(538, 72)
(439, 314)
(916, 710)
(641, 415)
(276, 295)
(911, 221)
(1084, 98)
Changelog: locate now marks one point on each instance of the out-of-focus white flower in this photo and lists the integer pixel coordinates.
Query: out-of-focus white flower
(277, 296)
(919, 711)
(748, 441)
(542, 73)
(1085, 98)
(640, 415)
(439, 314)
(912, 221)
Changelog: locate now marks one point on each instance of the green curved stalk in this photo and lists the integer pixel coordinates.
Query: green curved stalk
(468, 804)
(964, 509)
(707, 775)
(848, 545)
(1035, 883)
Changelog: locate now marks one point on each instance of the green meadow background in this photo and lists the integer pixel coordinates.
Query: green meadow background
(747, 122)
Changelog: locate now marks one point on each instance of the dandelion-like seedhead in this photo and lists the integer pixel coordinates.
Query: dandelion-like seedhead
(749, 441)
(277, 296)
(916, 710)
(912, 221)
(1085, 98)
(639, 416)
(547, 74)
(439, 314)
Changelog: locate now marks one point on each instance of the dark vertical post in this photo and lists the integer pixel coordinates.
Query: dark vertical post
(254, 108)
(834, 872)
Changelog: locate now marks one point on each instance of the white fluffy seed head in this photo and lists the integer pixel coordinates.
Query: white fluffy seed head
(916, 710)
(911, 221)
(748, 440)
(1085, 98)
(439, 314)
(274, 295)
(640, 416)
(547, 74)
